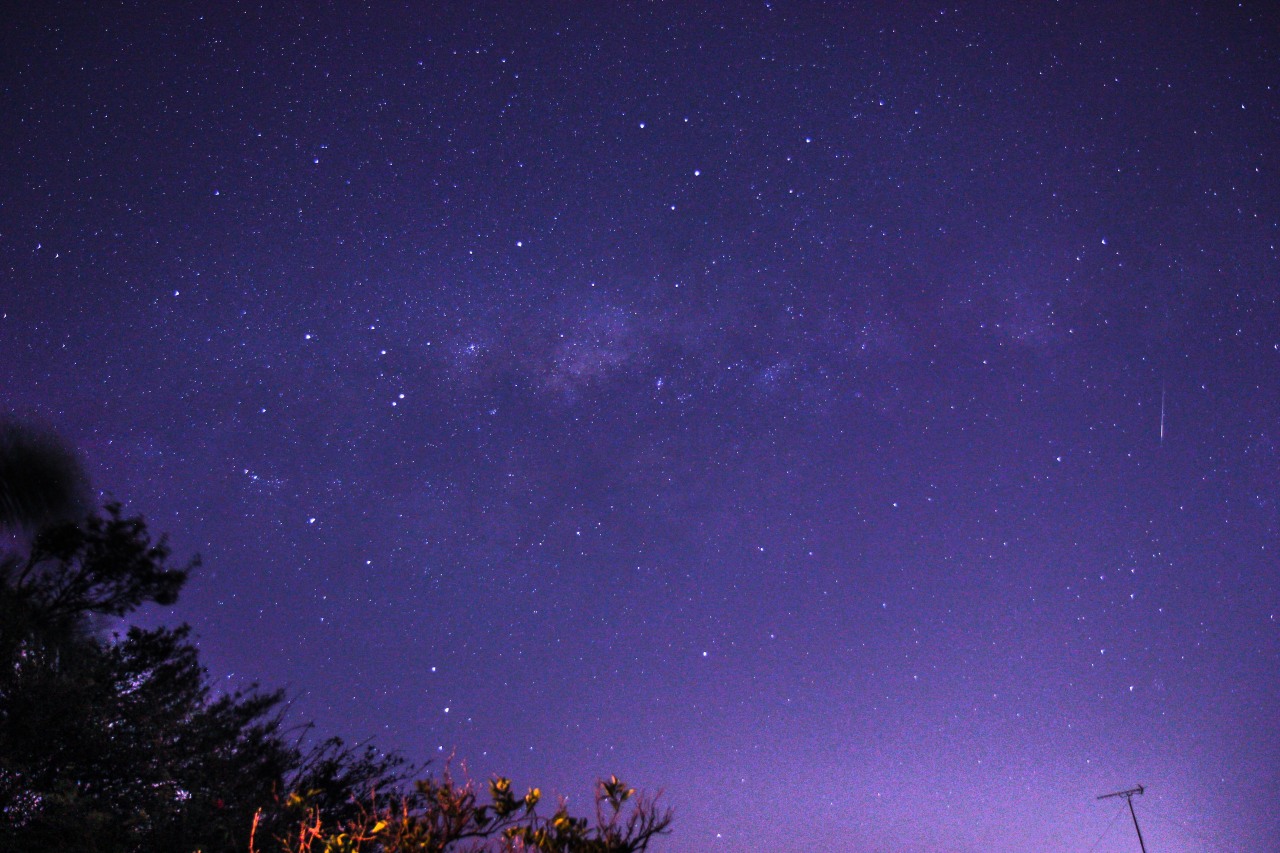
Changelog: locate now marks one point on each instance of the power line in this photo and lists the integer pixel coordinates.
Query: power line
(1114, 818)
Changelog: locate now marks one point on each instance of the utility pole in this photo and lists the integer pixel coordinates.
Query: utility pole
(1128, 796)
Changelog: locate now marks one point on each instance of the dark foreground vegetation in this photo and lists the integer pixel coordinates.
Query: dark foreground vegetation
(116, 743)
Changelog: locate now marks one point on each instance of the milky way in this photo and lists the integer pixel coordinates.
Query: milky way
(858, 423)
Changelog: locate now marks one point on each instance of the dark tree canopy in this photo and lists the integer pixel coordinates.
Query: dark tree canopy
(119, 743)
(41, 478)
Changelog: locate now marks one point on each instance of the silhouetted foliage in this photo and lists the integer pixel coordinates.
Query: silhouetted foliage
(104, 566)
(119, 744)
(41, 479)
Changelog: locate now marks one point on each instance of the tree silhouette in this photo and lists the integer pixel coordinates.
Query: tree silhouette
(41, 478)
(119, 743)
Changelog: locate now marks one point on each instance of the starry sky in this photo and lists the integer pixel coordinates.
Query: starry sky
(858, 421)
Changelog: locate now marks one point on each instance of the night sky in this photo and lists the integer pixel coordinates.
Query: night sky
(859, 421)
